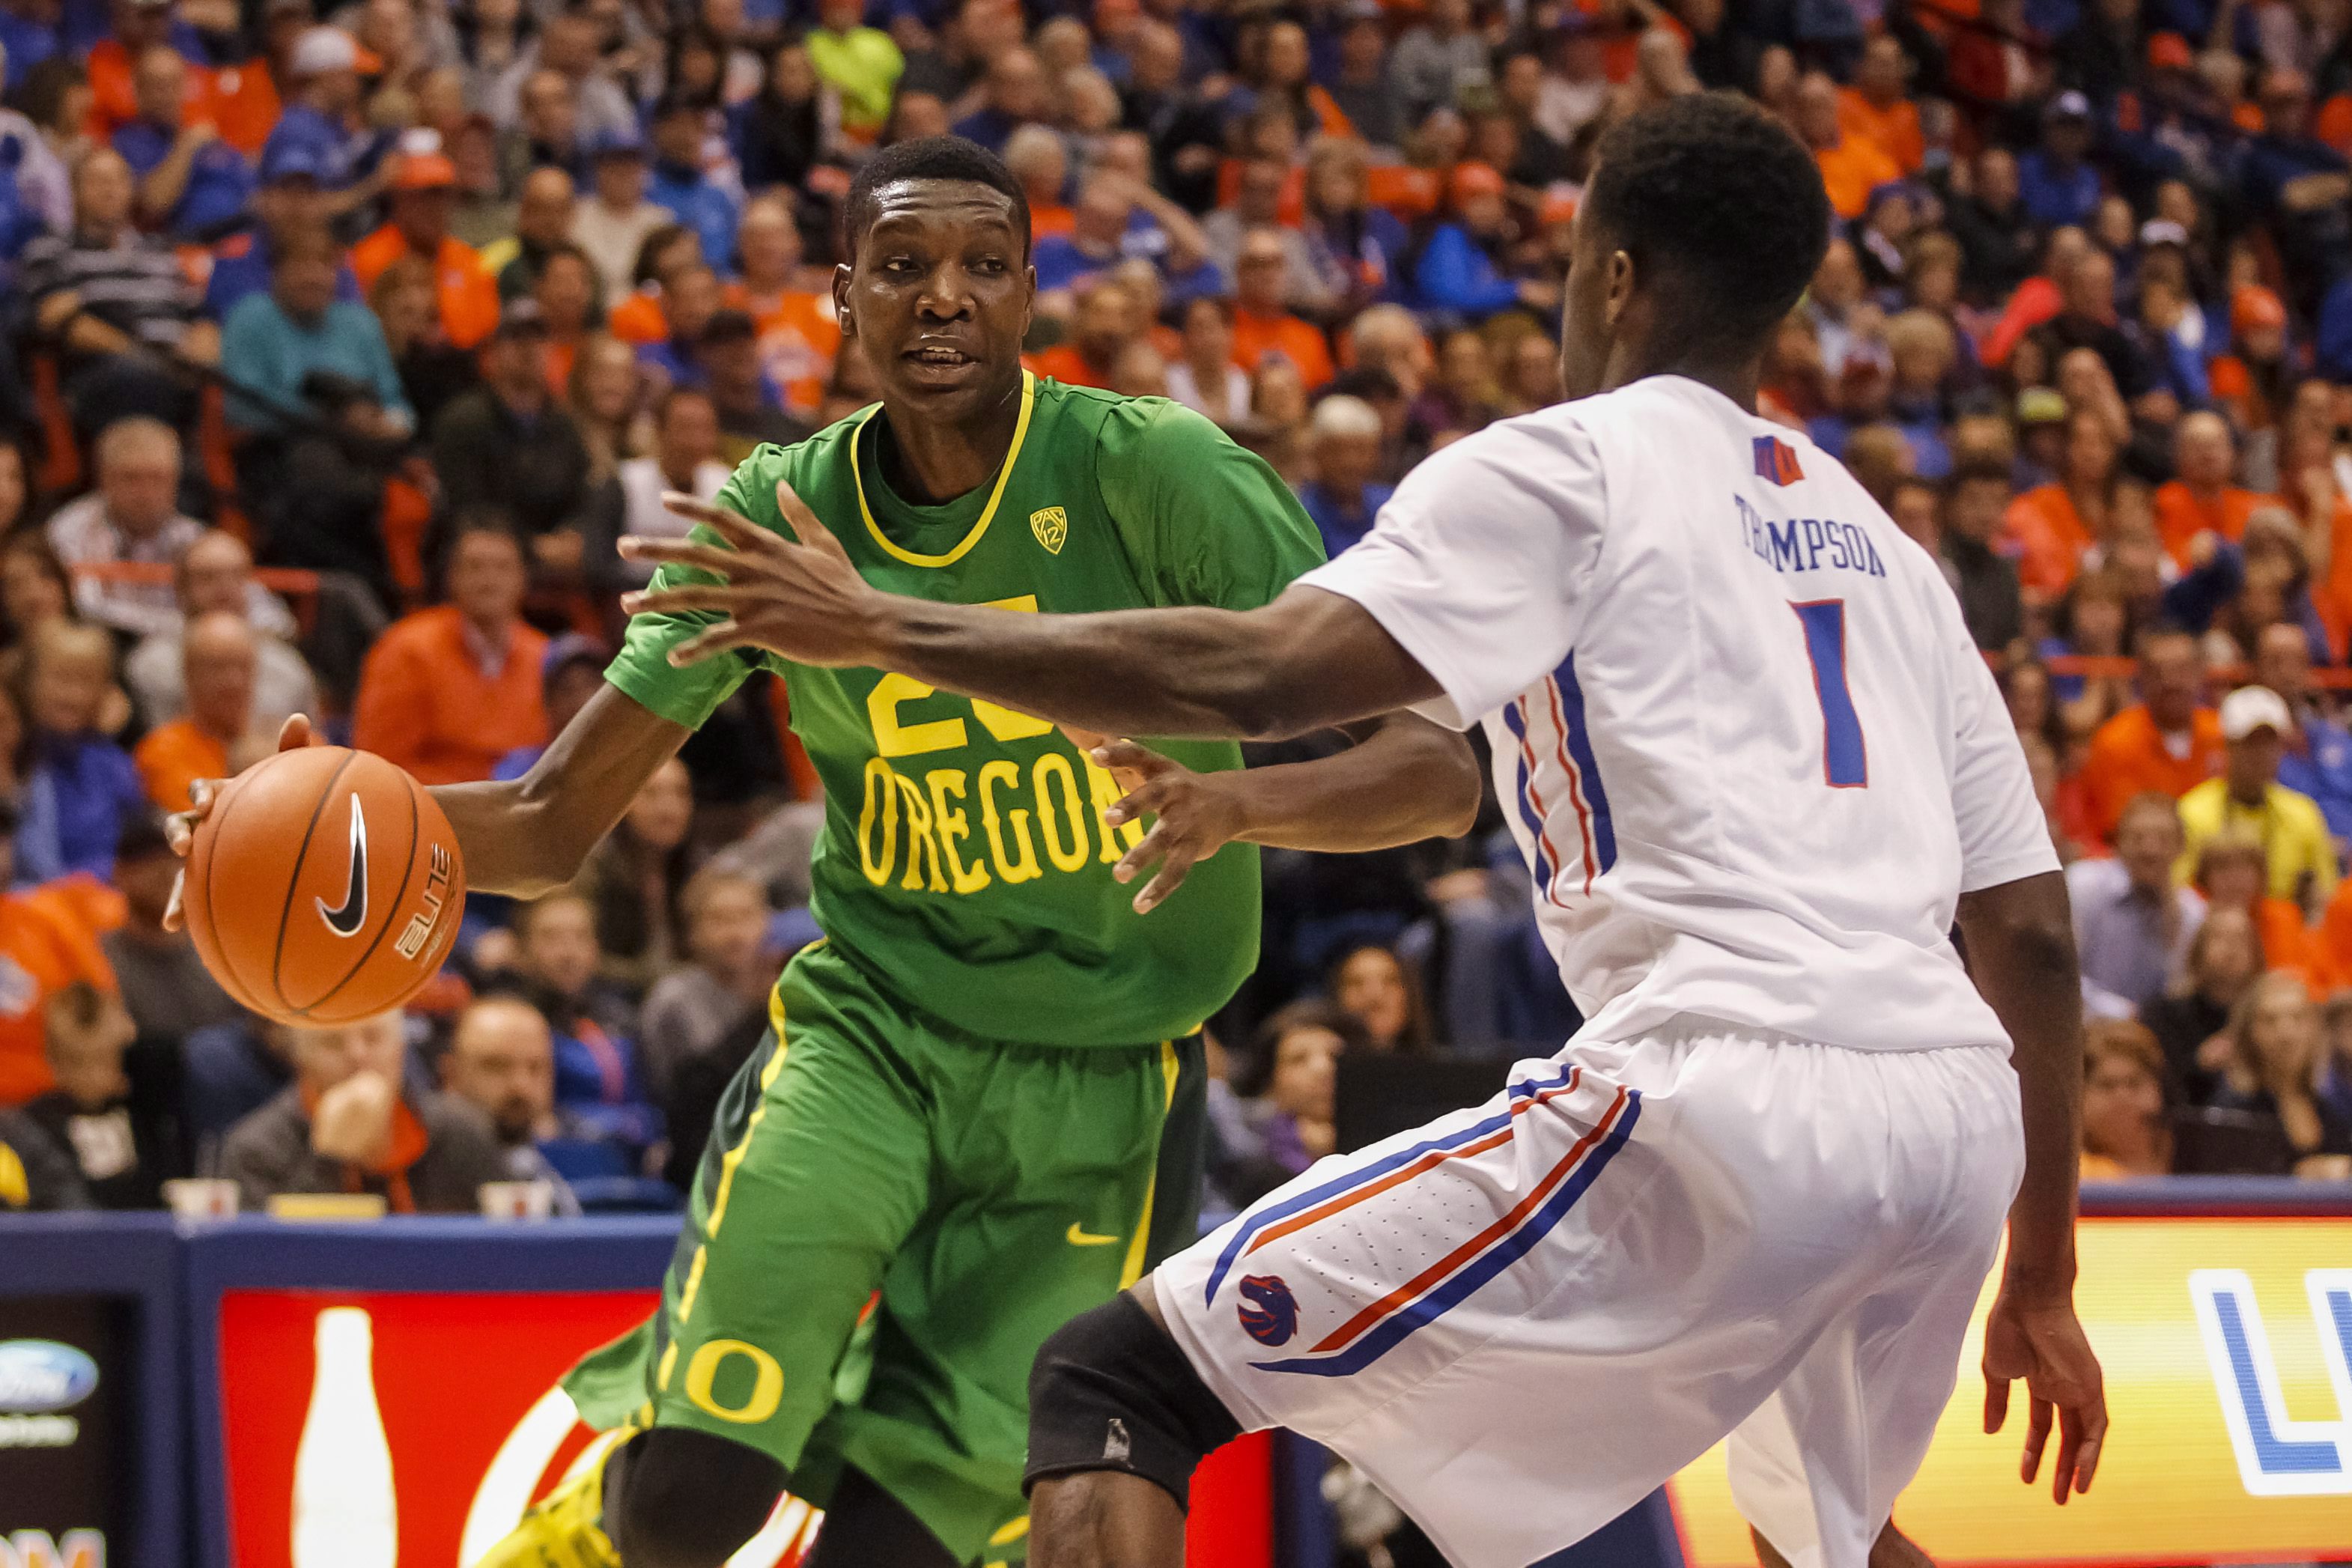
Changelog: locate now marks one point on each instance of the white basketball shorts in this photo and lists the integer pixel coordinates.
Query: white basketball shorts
(1520, 1319)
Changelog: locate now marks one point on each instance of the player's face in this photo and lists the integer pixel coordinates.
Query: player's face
(940, 293)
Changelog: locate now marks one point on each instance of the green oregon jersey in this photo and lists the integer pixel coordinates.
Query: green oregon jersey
(964, 862)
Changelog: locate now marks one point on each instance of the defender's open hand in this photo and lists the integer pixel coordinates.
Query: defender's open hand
(804, 600)
(2044, 1344)
(1198, 816)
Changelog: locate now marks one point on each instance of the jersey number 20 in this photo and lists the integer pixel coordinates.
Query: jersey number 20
(1843, 760)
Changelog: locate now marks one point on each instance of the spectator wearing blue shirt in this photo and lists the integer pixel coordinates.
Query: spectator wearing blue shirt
(292, 194)
(322, 118)
(276, 339)
(679, 185)
(597, 1076)
(2054, 184)
(1015, 95)
(1119, 217)
(2332, 342)
(2318, 761)
(1457, 273)
(190, 181)
(26, 40)
(691, 298)
(1924, 351)
(82, 786)
(1341, 498)
(2301, 187)
(2174, 333)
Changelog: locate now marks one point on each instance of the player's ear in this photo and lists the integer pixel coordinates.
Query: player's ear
(1028, 300)
(841, 300)
(1621, 285)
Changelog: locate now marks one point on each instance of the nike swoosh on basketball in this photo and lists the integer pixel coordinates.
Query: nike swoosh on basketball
(348, 919)
(1080, 1237)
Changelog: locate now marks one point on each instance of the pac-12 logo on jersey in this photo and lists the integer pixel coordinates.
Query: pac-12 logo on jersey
(1776, 460)
(1051, 524)
(1269, 1312)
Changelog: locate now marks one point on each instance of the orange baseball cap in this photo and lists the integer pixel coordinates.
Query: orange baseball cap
(2169, 52)
(2253, 306)
(1473, 179)
(425, 171)
(1556, 209)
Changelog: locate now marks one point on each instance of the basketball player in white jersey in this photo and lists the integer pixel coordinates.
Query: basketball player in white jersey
(1759, 769)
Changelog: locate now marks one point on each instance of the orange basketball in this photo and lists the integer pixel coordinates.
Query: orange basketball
(323, 886)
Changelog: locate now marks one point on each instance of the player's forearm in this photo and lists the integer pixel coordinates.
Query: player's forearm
(1310, 661)
(2020, 944)
(1404, 780)
(528, 836)
(1194, 673)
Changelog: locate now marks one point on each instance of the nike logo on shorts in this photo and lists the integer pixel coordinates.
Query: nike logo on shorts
(1080, 1237)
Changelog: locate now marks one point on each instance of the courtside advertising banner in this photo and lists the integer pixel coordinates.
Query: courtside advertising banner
(66, 1406)
(2226, 1343)
(366, 1429)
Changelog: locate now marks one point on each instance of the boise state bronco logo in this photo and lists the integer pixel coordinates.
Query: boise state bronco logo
(1269, 1312)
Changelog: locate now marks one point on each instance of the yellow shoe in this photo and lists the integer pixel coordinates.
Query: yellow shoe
(567, 1529)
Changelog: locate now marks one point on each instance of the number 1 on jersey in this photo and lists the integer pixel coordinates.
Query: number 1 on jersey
(1844, 759)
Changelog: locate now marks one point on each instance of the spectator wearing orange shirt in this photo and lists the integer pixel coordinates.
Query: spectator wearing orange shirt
(424, 194)
(1041, 162)
(642, 315)
(220, 659)
(2249, 384)
(447, 692)
(799, 328)
(1261, 326)
(2169, 741)
(1876, 109)
(2201, 499)
(1851, 167)
(45, 944)
(1105, 326)
(113, 63)
(2232, 872)
(2335, 935)
(2049, 527)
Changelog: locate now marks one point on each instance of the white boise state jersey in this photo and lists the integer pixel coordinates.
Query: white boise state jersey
(1746, 744)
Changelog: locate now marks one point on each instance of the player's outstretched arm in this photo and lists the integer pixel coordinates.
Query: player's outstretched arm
(525, 837)
(1402, 780)
(2020, 949)
(1309, 661)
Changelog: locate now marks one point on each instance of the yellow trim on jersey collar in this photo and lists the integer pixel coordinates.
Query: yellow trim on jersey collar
(987, 514)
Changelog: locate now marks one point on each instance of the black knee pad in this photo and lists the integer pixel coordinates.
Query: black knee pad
(1111, 1390)
(687, 1498)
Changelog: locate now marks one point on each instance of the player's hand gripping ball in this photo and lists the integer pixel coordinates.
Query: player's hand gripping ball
(323, 886)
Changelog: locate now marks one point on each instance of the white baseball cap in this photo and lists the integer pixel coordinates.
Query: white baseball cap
(2252, 708)
(323, 50)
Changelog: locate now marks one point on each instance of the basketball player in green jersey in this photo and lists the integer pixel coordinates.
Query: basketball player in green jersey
(979, 1111)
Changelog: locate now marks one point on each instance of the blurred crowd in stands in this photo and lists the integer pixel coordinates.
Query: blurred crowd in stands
(339, 343)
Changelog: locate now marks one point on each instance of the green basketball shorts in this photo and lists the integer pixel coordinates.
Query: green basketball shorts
(891, 1217)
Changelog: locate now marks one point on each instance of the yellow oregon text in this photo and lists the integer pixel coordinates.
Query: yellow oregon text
(952, 831)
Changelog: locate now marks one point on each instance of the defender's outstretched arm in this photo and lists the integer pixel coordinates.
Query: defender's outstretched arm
(1310, 660)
